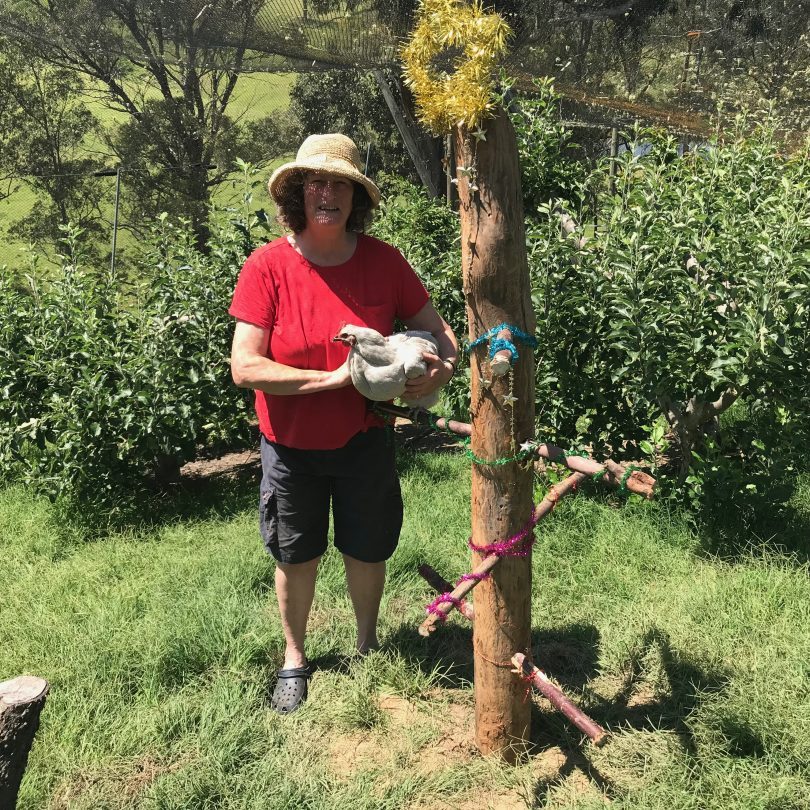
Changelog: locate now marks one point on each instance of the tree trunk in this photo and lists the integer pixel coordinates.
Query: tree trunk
(496, 288)
(425, 154)
(199, 202)
(166, 470)
(21, 702)
(585, 32)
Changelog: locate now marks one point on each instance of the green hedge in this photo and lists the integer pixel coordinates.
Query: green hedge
(108, 387)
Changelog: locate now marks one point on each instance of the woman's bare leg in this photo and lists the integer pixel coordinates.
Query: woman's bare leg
(365, 582)
(295, 590)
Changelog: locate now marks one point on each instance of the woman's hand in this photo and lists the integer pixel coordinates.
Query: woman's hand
(437, 374)
(340, 377)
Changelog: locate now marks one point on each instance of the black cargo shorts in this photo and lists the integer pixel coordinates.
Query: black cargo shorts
(358, 480)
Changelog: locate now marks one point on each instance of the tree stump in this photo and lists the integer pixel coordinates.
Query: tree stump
(21, 703)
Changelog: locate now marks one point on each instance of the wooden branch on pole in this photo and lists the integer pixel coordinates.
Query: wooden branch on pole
(441, 585)
(638, 482)
(541, 682)
(21, 703)
(545, 506)
(502, 361)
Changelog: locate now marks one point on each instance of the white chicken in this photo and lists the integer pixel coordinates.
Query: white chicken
(380, 366)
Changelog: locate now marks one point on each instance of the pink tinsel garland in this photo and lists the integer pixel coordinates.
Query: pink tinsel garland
(518, 545)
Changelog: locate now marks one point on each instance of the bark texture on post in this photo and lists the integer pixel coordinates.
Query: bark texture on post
(21, 702)
(496, 289)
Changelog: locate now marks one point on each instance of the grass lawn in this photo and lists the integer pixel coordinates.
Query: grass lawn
(160, 648)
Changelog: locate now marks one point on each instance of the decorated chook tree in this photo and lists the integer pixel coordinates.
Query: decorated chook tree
(450, 64)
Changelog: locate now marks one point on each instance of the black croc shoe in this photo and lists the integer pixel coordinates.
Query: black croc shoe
(291, 689)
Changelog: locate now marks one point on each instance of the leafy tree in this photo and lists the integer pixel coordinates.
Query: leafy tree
(43, 145)
(350, 102)
(688, 299)
(155, 62)
(548, 163)
(690, 296)
(107, 391)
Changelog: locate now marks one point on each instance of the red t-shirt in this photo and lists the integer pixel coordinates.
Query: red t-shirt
(304, 306)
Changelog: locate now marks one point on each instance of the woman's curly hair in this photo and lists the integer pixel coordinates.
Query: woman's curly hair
(290, 206)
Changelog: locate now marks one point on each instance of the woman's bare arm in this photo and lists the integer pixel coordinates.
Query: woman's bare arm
(251, 368)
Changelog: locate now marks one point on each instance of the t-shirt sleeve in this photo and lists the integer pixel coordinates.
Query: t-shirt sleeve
(412, 295)
(254, 299)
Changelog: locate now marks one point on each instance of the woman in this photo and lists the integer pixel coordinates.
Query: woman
(320, 443)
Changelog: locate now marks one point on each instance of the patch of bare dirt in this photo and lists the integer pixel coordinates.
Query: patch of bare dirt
(548, 763)
(450, 743)
(365, 750)
(353, 753)
(454, 742)
(413, 437)
(444, 739)
(399, 710)
(229, 465)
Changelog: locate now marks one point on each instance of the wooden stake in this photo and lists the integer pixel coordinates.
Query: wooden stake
(541, 682)
(21, 702)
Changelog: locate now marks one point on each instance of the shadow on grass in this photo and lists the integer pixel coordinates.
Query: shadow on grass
(686, 683)
(573, 761)
(449, 648)
(192, 499)
(568, 653)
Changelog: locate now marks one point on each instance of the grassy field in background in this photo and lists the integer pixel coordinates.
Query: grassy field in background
(161, 646)
(256, 96)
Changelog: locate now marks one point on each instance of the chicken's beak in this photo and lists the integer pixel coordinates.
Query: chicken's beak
(349, 340)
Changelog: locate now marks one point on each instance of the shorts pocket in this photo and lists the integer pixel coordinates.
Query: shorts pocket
(268, 518)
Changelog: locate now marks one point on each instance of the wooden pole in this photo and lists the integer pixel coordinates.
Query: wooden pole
(426, 160)
(21, 702)
(496, 289)
(614, 153)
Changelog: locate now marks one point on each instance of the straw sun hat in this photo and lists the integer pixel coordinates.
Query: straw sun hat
(335, 154)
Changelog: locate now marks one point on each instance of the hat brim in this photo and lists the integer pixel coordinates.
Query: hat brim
(282, 174)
